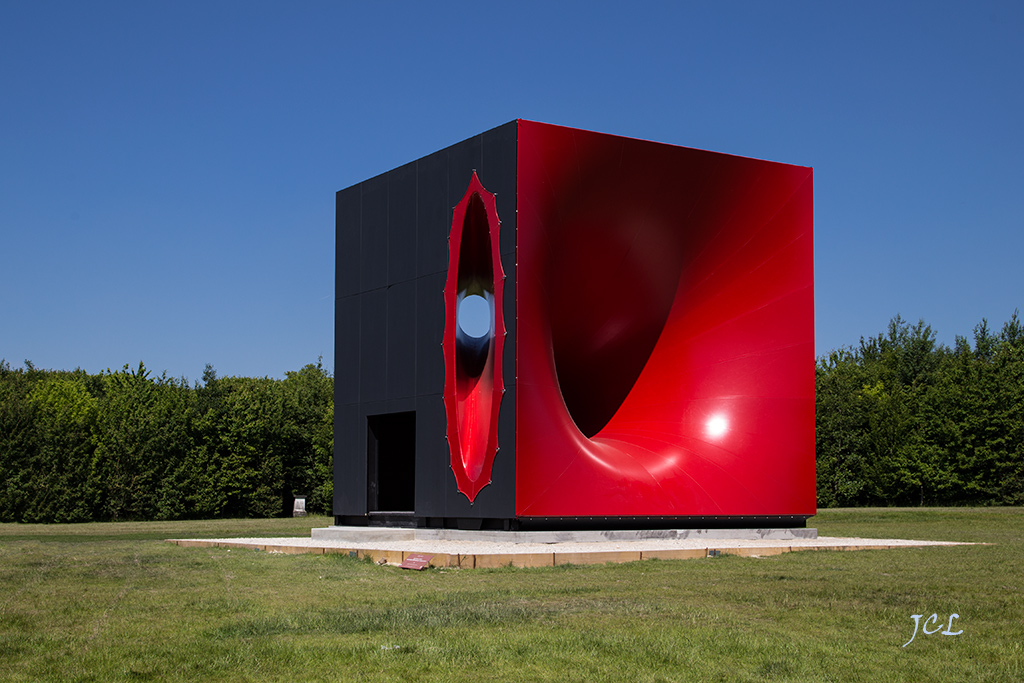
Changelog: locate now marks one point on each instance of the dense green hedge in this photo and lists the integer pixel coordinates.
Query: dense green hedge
(122, 445)
(902, 420)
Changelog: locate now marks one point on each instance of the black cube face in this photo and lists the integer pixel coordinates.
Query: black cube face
(392, 257)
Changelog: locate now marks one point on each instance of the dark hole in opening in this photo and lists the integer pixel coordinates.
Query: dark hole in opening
(391, 462)
(476, 271)
(475, 281)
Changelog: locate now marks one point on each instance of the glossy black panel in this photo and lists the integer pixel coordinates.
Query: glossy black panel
(349, 461)
(509, 310)
(463, 159)
(347, 228)
(498, 175)
(429, 333)
(401, 405)
(402, 224)
(373, 330)
(346, 350)
(432, 470)
(433, 214)
(401, 340)
(373, 244)
(503, 476)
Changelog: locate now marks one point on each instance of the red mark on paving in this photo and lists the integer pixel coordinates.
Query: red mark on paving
(417, 561)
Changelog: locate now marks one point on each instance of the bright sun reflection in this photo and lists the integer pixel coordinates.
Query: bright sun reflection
(716, 426)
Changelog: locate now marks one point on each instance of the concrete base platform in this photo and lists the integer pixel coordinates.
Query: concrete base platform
(480, 549)
(369, 533)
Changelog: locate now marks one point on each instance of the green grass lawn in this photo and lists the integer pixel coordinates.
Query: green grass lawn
(112, 602)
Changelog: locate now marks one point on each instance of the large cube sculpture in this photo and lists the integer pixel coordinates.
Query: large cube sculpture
(544, 326)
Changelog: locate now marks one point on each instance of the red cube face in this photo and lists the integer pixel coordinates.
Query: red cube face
(665, 338)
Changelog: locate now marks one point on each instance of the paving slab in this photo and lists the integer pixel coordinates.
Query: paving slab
(478, 550)
(389, 534)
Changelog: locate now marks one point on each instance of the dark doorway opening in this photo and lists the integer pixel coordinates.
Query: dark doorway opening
(391, 462)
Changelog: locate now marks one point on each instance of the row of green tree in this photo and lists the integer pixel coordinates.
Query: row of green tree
(76, 447)
(902, 420)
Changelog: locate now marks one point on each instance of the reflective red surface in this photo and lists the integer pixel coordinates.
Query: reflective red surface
(665, 352)
(473, 380)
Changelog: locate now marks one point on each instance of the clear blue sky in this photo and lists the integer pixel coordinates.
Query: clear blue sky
(168, 170)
